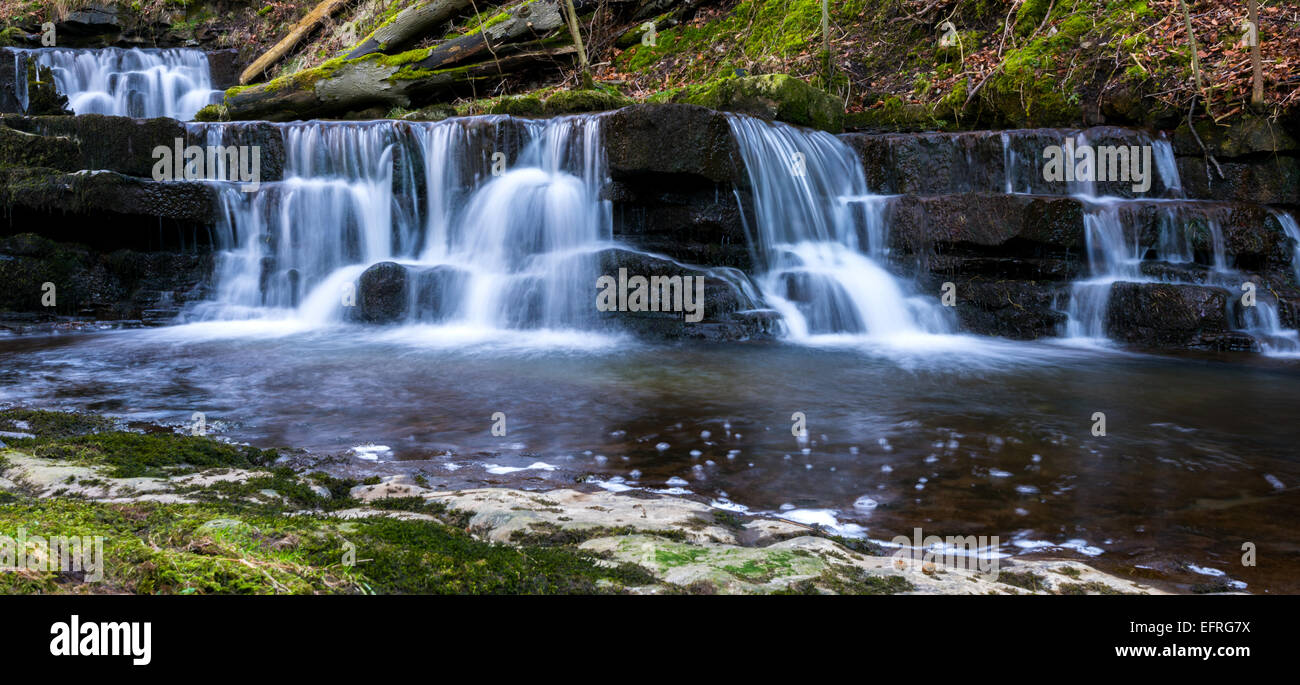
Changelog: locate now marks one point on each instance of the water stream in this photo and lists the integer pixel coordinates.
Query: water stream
(135, 82)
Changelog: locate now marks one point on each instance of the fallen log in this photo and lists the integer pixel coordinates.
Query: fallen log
(409, 26)
(300, 31)
(343, 85)
(368, 82)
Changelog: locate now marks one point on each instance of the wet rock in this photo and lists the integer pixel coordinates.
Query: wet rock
(1242, 137)
(1168, 315)
(120, 285)
(932, 163)
(437, 291)
(20, 149)
(1250, 235)
(689, 220)
(224, 67)
(127, 145)
(382, 295)
(1021, 310)
(661, 139)
(1270, 180)
(110, 143)
(95, 193)
(1009, 236)
(732, 309)
(90, 21)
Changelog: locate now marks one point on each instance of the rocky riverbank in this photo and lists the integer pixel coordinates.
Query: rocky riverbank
(190, 514)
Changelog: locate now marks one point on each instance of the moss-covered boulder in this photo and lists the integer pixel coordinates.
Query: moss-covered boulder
(593, 100)
(770, 96)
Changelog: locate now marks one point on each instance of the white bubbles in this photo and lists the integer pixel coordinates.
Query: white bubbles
(371, 451)
(866, 503)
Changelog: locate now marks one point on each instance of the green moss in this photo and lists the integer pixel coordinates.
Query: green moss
(549, 534)
(53, 425)
(152, 454)
(754, 31)
(152, 548)
(851, 580)
(777, 96)
(1093, 588)
(1027, 580)
(593, 100)
(678, 555)
(213, 113)
(12, 36)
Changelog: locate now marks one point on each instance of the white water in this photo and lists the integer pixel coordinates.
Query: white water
(820, 238)
(1115, 255)
(138, 83)
(488, 254)
(491, 254)
(484, 252)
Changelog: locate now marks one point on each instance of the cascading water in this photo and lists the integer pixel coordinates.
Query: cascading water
(485, 247)
(134, 82)
(819, 235)
(1114, 255)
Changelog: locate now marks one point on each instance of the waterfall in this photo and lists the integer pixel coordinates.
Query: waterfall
(134, 82)
(1292, 231)
(1115, 255)
(820, 238)
(488, 244)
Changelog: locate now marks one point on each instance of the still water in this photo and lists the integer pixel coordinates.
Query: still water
(952, 434)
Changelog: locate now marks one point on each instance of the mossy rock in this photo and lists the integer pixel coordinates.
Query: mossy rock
(13, 37)
(436, 112)
(892, 114)
(42, 96)
(571, 101)
(213, 113)
(518, 105)
(770, 96)
(19, 149)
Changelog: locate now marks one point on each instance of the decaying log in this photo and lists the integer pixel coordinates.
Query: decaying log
(368, 82)
(409, 26)
(530, 32)
(300, 31)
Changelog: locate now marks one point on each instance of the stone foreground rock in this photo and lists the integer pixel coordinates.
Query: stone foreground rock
(684, 543)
